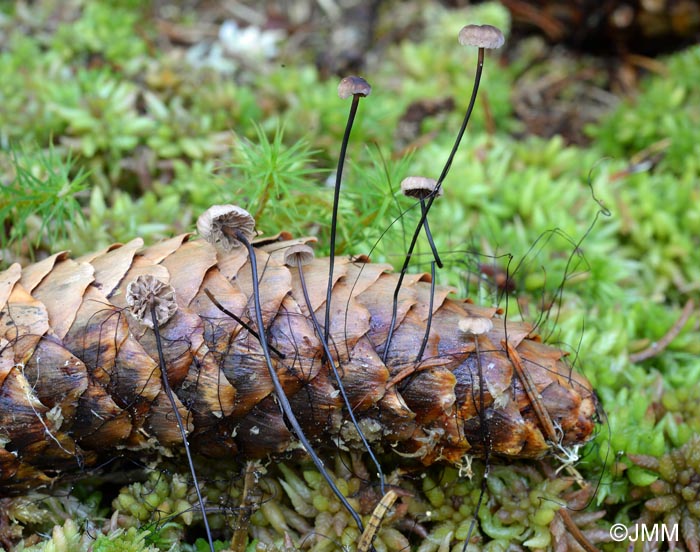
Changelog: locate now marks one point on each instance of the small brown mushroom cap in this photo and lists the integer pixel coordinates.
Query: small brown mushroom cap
(219, 223)
(351, 86)
(299, 252)
(419, 187)
(147, 290)
(481, 36)
(475, 325)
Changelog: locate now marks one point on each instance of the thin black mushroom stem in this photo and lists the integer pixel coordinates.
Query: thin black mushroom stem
(279, 391)
(229, 227)
(357, 87)
(298, 256)
(483, 37)
(473, 327)
(429, 321)
(242, 322)
(421, 188)
(152, 302)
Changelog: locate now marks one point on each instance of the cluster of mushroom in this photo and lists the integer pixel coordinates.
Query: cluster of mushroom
(228, 227)
(224, 226)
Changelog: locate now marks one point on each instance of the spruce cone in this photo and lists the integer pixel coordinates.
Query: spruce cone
(80, 382)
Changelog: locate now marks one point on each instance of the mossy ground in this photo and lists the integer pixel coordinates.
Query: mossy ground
(120, 119)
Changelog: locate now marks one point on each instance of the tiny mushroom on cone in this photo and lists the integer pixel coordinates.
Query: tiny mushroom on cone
(353, 86)
(475, 325)
(481, 36)
(219, 224)
(419, 187)
(146, 291)
(300, 253)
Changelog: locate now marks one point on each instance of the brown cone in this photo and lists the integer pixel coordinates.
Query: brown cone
(79, 378)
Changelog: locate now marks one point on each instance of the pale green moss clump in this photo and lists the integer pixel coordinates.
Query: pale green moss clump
(287, 505)
(69, 537)
(675, 492)
(159, 498)
(64, 538)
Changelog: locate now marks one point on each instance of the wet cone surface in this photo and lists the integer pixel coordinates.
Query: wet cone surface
(80, 382)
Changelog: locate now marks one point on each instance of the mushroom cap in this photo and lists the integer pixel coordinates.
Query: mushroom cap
(475, 325)
(147, 290)
(351, 86)
(419, 187)
(298, 252)
(219, 223)
(481, 36)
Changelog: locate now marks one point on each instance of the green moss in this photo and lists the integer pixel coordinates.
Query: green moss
(674, 497)
(109, 31)
(131, 540)
(666, 109)
(65, 538)
(40, 202)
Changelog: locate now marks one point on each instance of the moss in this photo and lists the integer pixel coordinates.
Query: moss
(64, 538)
(666, 109)
(131, 540)
(674, 498)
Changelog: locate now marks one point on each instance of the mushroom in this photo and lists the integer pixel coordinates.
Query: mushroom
(298, 255)
(481, 36)
(279, 390)
(353, 86)
(475, 325)
(421, 188)
(146, 292)
(152, 302)
(357, 87)
(220, 223)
